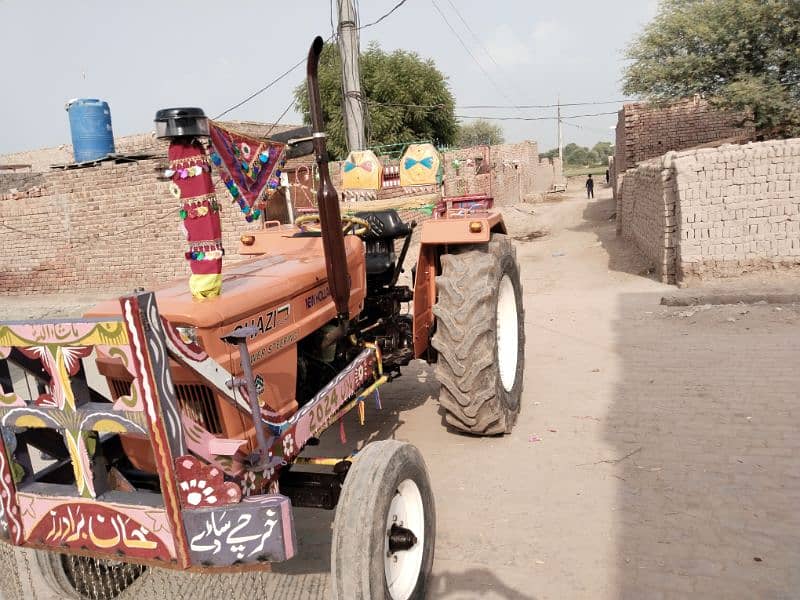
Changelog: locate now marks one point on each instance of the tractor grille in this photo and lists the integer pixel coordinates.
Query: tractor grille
(196, 400)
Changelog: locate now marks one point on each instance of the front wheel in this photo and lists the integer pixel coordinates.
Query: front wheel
(480, 337)
(385, 526)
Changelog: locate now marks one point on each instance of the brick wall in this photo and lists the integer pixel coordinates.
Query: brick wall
(109, 226)
(511, 173)
(726, 210)
(115, 225)
(645, 131)
(646, 214)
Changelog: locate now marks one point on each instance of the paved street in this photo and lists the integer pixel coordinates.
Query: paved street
(655, 456)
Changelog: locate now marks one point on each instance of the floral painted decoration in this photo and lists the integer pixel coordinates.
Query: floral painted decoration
(202, 485)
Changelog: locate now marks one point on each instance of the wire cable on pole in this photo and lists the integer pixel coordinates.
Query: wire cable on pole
(493, 118)
(300, 63)
(499, 106)
(263, 89)
(464, 45)
(279, 119)
(378, 20)
(484, 48)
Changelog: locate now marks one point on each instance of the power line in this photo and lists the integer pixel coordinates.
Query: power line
(263, 89)
(490, 118)
(476, 106)
(517, 106)
(378, 20)
(474, 35)
(484, 48)
(444, 106)
(301, 62)
(464, 45)
(586, 127)
(279, 119)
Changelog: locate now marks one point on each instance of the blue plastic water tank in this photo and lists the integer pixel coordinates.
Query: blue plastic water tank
(90, 124)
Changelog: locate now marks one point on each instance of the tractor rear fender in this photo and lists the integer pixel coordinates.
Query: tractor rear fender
(437, 236)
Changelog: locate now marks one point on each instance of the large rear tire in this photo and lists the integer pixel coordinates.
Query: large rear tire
(480, 337)
(385, 526)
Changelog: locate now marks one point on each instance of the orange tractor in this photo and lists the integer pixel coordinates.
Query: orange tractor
(194, 462)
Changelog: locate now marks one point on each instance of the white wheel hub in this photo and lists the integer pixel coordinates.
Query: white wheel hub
(402, 567)
(507, 333)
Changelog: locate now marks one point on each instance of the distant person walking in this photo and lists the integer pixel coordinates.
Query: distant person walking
(590, 187)
(608, 176)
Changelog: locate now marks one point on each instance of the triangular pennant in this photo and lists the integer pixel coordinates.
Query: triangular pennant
(248, 166)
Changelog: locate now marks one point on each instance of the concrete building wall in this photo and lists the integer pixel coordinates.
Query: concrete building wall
(715, 212)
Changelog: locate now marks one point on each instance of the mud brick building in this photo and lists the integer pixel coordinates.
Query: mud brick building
(645, 130)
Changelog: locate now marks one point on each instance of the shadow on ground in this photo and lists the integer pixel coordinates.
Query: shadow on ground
(599, 218)
(705, 425)
(481, 581)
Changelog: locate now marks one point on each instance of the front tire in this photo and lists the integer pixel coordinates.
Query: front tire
(480, 337)
(385, 526)
(51, 576)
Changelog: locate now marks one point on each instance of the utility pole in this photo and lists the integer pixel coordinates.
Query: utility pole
(560, 140)
(351, 79)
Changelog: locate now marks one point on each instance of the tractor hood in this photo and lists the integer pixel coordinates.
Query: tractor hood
(253, 285)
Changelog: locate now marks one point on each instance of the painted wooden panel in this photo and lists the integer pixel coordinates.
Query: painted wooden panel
(258, 529)
(133, 531)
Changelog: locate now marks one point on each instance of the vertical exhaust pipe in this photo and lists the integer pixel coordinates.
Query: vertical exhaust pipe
(327, 199)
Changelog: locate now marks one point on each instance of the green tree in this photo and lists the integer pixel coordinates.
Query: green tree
(390, 82)
(479, 132)
(552, 153)
(738, 53)
(603, 150)
(581, 156)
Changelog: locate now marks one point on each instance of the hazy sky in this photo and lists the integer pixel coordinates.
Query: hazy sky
(141, 56)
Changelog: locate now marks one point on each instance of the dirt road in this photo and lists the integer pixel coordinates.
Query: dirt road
(655, 456)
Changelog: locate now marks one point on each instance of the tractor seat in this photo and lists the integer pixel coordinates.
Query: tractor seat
(384, 224)
(385, 227)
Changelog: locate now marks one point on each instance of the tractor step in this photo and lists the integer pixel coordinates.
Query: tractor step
(312, 490)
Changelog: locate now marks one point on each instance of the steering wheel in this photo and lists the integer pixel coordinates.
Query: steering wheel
(311, 223)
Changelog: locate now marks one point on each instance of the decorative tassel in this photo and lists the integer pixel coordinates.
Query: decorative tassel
(361, 412)
(342, 435)
(378, 399)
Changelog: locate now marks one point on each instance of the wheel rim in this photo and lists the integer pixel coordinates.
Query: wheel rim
(507, 333)
(402, 566)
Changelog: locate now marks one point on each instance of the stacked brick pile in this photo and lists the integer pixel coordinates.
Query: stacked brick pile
(738, 208)
(715, 211)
